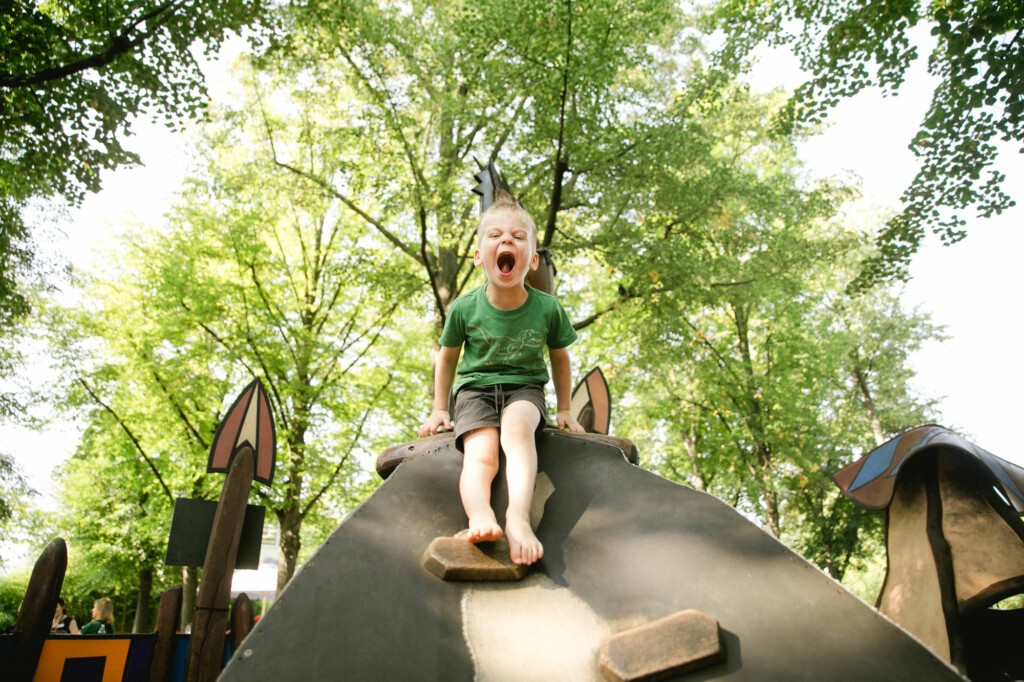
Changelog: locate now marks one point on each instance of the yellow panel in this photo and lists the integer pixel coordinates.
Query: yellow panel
(56, 650)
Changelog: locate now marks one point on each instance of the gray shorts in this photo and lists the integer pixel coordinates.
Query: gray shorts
(480, 406)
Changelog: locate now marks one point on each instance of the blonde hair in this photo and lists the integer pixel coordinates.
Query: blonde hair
(106, 609)
(504, 201)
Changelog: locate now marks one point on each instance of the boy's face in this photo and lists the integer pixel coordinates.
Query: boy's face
(506, 249)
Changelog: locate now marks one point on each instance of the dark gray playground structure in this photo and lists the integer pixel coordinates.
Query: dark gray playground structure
(623, 547)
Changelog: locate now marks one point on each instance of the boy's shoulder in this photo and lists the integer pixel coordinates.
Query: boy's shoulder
(541, 295)
(470, 297)
(544, 301)
(476, 297)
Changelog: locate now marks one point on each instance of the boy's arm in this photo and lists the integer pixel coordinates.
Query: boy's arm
(444, 373)
(561, 374)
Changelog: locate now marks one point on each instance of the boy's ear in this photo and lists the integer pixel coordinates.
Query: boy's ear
(534, 261)
(477, 260)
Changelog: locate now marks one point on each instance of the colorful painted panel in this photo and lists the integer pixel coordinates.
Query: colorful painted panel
(871, 479)
(113, 658)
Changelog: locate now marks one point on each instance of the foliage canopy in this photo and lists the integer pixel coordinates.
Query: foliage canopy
(330, 216)
(73, 77)
(978, 57)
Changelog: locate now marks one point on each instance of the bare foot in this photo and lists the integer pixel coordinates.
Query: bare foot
(524, 547)
(483, 529)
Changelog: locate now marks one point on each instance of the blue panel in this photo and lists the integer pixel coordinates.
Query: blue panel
(877, 464)
(140, 658)
(181, 656)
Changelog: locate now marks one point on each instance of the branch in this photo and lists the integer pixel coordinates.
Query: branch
(274, 312)
(466, 257)
(120, 44)
(328, 376)
(503, 136)
(128, 431)
(624, 295)
(181, 412)
(561, 166)
(266, 376)
(427, 266)
(723, 362)
(352, 444)
(390, 109)
(402, 246)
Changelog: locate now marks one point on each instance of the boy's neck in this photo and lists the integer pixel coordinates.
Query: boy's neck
(506, 299)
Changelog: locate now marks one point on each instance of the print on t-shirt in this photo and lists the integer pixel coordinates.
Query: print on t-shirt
(508, 347)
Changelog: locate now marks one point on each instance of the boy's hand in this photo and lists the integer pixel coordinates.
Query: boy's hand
(564, 420)
(439, 420)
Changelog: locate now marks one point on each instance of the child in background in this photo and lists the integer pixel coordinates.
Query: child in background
(63, 622)
(102, 622)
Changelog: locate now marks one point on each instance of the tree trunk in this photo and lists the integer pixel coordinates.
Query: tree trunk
(143, 612)
(869, 402)
(291, 525)
(189, 583)
(755, 418)
(770, 497)
(696, 476)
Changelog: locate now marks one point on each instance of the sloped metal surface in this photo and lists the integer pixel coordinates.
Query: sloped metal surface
(622, 547)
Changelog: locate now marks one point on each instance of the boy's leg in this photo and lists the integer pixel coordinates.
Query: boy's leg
(518, 431)
(479, 467)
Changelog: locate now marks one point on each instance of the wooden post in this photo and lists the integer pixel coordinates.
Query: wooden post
(166, 627)
(36, 613)
(206, 646)
(241, 620)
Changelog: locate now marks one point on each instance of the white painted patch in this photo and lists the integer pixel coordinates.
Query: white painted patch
(532, 630)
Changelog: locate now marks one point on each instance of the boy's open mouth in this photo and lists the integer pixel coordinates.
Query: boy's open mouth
(506, 261)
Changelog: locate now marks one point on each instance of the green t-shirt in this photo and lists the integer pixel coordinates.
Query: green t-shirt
(97, 627)
(505, 346)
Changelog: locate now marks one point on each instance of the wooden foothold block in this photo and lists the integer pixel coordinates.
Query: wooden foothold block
(681, 643)
(455, 558)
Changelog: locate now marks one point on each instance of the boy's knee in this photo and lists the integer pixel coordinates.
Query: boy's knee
(516, 433)
(520, 414)
(481, 443)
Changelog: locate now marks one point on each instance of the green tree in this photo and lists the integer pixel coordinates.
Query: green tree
(331, 213)
(12, 592)
(257, 274)
(73, 78)
(845, 47)
(580, 102)
(15, 492)
(745, 370)
(114, 515)
(638, 161)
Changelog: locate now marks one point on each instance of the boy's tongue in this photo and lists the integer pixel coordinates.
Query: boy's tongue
(506, 261)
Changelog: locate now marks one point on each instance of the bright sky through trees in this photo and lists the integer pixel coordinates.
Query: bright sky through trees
(971, 287)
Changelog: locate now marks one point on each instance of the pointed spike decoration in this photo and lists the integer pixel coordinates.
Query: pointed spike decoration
(248, 422)
(490, 179)
(591, 404)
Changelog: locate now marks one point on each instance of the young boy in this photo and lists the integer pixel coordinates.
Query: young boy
(499, 396)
